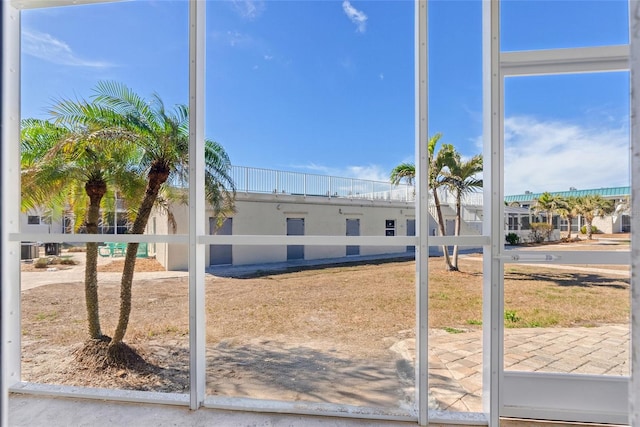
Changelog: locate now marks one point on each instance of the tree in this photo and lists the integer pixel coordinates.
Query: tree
(406, 171)
(549, 204)
(71, 167)
(591, 206)
(569, 211)
(438, 162)
(461, 178)
(162, 139)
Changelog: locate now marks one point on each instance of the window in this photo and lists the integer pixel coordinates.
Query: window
(33, 220)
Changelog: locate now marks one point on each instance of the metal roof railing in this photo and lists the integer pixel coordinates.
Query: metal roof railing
(258, 180)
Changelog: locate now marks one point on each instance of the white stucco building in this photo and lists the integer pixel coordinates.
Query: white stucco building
(331, 206)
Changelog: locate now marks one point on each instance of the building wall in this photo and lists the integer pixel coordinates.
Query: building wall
(610, 224)
(42, 227)
(266, 214)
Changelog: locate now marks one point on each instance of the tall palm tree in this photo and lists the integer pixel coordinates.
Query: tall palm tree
(591, 206)
(461, 178)
(438, 162)
(71, 167)
(568, 211)
(163, 140)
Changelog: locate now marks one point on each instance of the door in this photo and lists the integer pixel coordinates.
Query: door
(221, 254)
(353, 229)
(295, 227)
(562, 358)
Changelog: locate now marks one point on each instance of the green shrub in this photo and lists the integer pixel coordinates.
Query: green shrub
(512, 238)
(511, 316)
(594, 229)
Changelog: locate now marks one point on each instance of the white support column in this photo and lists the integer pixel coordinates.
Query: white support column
(634, 62)
(422, 213)
(197, 203)
(494, 212)
(10, 204)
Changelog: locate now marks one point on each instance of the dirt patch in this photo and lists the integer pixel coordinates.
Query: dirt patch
(320, 335)
(142, 265)
(108, 265)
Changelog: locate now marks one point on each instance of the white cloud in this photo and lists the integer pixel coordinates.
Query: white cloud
(249, 9)
(554, 155)
(48, 48)
(381, 75)
(356, 16)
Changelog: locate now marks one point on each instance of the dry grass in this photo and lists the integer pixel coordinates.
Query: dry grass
(345, 303)
(356, 311)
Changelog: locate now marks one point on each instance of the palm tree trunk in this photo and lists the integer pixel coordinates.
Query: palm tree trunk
(91, 265)
(445, 250)
(91, 291)
(589, 229)
(458, 226)
(126, 282)
(125, 293)
(569, 222)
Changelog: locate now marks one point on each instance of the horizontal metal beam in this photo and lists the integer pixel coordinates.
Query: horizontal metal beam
(568, 257)
(261, 240)
(562, 61)
(136, 396)
(41, 4)
(86, 238)
(248, 239)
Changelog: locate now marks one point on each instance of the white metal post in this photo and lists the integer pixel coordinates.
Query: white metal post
(422, 213)
(494, 212)
(197, 203)
(634, 63)
(10, 205)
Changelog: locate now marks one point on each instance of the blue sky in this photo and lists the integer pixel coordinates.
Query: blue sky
(328, 86)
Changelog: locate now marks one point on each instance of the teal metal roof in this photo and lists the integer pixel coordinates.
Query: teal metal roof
(604, 192)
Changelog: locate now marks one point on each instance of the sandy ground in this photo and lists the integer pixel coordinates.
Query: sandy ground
(331, 349)
(342, 336)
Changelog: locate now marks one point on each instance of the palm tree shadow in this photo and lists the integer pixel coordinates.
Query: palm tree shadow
(581, 280)
(269, 370)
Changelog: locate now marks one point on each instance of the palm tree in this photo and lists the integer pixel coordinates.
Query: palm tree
(163, 140)
(437, 164)
(549, 204)
(71, 167)
(591, 206)
(568, 211)
(406, 171)
(461, 178)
